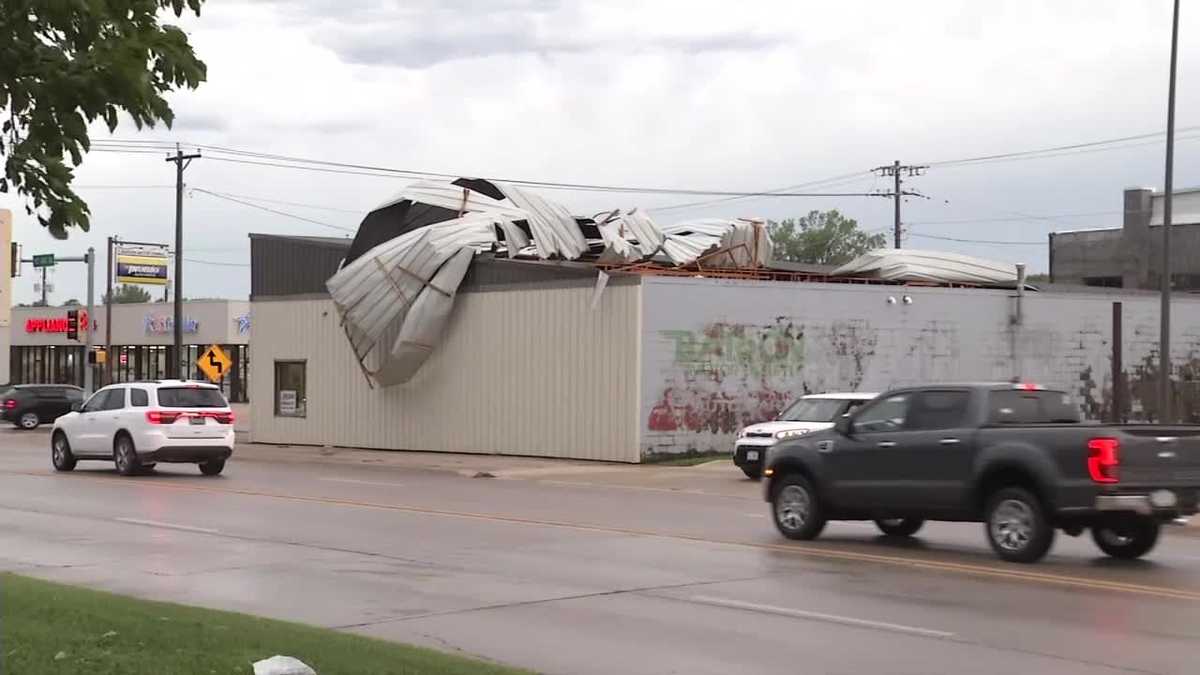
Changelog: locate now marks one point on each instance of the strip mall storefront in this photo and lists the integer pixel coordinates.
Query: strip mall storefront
(142, 337)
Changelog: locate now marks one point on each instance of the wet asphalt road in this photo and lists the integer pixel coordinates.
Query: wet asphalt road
(617, 571)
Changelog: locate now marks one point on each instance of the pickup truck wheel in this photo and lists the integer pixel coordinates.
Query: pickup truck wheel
(899, 527)
(752, 472)
(1128, 537)
(1016, 526)
(796, 509)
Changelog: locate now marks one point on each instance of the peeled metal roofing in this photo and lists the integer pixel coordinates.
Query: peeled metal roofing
(932, 266)
(396, 297)
(555, 232)
(424, 322)
(375, 292)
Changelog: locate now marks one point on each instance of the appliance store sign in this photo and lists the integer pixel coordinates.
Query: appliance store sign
(164, 324)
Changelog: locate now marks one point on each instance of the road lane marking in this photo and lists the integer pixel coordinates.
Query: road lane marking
(809, 550)
(355, 481)
(167, 526)
(820, 616)
(644, 488)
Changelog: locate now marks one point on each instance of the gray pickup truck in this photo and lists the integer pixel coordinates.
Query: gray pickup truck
(1014, 457)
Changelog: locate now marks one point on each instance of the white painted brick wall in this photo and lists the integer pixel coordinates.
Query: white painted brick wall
(720, 354)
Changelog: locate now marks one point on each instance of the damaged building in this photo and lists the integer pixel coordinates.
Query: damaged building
(477, 316)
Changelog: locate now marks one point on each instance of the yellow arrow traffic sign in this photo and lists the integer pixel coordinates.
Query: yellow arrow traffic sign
(214, 363)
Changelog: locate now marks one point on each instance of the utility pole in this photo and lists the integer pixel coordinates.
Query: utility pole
(89, 383)
(1164, 347)
(896, 170)
(181, 162)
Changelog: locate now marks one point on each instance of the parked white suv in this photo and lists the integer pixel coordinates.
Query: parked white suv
(138, 424)
(807, 414)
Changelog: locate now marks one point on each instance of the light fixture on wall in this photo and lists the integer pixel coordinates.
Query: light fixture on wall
(908, 300)
(891, 300)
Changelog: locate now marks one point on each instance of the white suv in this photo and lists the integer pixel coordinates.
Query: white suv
(139, 424)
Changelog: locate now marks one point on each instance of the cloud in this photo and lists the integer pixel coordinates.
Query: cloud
(642, 92)
(189, 121)
(424, 34)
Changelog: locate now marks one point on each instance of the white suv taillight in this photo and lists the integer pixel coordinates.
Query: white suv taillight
(169, 416)
(161, 417)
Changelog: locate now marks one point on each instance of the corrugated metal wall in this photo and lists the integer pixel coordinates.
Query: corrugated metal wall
(528, 371)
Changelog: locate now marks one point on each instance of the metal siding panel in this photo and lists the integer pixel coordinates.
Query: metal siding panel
(530, 371)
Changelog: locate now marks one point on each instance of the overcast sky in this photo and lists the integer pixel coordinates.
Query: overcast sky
(695, 95)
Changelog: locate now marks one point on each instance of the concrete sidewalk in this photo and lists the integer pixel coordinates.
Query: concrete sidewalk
(464, 464)
(717, 478)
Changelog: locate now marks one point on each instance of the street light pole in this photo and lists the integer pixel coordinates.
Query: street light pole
(108, 300)
(1164, 339)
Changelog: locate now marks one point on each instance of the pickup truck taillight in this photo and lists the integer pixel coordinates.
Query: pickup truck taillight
(1104, 456)
(161, 417)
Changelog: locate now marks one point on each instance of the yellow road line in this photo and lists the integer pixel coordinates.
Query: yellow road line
(799, 549)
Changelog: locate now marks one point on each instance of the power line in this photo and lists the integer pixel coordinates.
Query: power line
(1017, 218)
(120, 187)
(235, 155)
(1055, 149)
(287, 203)
(285, 214)
(215, 263)
(289, 162)
(827, 182)
(978, 241)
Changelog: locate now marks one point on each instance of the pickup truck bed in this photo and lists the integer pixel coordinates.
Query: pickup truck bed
(1011, 456)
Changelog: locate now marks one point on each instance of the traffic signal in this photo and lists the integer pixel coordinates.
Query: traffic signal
(72, 324)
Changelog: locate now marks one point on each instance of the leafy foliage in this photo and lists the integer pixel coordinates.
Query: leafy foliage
(822, 238)
(65, 64)
(128, 294)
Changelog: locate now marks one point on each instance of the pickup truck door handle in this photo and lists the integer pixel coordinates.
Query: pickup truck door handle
(887, 444)
(948, 441)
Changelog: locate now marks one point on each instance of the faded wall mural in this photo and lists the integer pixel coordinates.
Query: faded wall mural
(717, 355)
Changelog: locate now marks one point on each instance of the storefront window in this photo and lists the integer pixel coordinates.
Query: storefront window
(290, 390)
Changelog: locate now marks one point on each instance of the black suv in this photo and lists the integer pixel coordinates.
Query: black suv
(29, 405)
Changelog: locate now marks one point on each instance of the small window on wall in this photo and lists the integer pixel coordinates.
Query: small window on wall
(290, 390)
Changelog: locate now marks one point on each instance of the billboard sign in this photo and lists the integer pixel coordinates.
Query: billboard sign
(142, 266)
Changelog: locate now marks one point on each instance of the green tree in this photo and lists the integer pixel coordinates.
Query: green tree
(63, 65)
(127, 294)
(822, 238)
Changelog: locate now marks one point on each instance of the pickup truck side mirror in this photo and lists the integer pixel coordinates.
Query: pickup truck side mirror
(844, 425)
